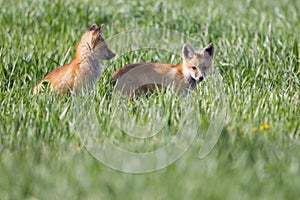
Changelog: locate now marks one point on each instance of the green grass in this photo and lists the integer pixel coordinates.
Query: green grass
(257, 47)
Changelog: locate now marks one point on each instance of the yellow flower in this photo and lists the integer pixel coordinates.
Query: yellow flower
(254, 129)
(261, 127)
(264, 127)
(78, 148)
(229, 128)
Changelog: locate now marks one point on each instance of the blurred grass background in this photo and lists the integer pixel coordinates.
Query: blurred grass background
(257, 54)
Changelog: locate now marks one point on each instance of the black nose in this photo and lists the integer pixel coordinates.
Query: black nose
(200, 79)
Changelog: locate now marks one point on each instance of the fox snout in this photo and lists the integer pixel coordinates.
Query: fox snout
(104, 52)
(108, 55)
(200, 79)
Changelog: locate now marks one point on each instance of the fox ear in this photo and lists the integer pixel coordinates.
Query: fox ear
(188, 52)
(101, 27)
(93, 27)
(210, 49)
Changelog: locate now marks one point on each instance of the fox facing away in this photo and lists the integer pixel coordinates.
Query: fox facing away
(85, 67)
(143, 77)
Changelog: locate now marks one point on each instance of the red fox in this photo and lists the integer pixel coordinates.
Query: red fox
(143, 76)
(85, 67)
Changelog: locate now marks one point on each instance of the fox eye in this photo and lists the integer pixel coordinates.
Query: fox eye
(194, 68)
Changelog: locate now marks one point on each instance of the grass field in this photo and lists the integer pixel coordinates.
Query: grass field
(257, 46)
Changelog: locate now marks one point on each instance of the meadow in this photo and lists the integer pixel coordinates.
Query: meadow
(257, 46)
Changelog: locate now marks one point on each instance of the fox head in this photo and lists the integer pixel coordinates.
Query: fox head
(197, 64)
(93, 42)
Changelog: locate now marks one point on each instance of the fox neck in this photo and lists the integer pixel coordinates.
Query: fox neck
(86, 56)
(87, 61)
(85, 51)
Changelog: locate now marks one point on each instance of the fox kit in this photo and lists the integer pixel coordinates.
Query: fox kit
(84, 69)
(144, 76)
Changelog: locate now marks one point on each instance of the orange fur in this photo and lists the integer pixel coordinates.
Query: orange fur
(178, 68)
(185, 76)
(84, 69)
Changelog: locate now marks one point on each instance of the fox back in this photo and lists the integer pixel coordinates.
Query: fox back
(85, 67)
